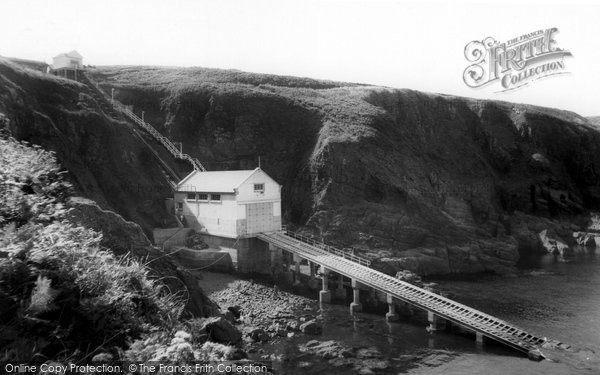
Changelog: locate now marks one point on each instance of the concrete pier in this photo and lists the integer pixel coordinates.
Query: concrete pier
(479, 338)
(339, 292)
(435, 322)
(297, 261)
(355, 306)
(391, 315)
(325, 293)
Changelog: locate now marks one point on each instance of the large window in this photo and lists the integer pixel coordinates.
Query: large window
(215, 197)
(203, 196)
(259, 188)
(191, 196)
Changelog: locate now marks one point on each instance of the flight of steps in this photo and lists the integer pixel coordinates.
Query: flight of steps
(111, 111)
(116, 109)
(99, 96)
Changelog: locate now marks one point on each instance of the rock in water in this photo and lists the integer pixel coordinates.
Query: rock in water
(311, 328)
(553, 245)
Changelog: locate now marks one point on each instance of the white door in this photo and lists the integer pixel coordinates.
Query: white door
(259, 217)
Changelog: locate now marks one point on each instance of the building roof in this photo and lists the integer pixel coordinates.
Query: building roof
(214, 181)
(72, 54)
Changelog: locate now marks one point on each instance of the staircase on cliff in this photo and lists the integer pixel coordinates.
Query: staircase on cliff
(115, 109)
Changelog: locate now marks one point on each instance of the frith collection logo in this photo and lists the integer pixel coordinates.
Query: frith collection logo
(514, 63)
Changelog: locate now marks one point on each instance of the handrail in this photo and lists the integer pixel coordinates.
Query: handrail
(333, 250)
(159, 137)
(149, 128)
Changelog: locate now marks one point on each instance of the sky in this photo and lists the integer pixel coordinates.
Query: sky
(403, 44)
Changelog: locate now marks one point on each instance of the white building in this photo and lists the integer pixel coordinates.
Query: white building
(229, 203)
(70, 60)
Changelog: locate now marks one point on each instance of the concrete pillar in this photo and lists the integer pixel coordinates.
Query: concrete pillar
(325, 294)
(479, 338)
(355, 306)
(391, 315)
(435, 322)
(296, 260)
(276, 260)
(313, 282)
(339, 291)
(287, 276)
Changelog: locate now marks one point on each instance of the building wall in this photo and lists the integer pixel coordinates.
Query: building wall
(246, 212)
(215, 217)
(169, 237)
(272, 190)
(66, 62)
(210, 260)
(260, 211)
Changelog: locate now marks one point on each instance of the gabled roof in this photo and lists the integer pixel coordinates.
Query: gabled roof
(73, 54)
(214, 181)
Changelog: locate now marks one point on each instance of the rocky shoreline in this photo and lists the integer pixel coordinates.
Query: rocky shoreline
(268, 316)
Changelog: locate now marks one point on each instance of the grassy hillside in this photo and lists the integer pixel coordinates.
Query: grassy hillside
(60, 290)
(595, 121)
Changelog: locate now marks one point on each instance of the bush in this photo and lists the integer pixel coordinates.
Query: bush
(61, 293)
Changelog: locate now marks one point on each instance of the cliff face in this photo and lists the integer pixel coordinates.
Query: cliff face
(433, 183)
(105, 160)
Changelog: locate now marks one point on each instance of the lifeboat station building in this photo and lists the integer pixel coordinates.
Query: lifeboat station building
(230, 204)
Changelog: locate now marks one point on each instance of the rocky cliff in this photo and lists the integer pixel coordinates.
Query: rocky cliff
(105, 160)
(432, 183)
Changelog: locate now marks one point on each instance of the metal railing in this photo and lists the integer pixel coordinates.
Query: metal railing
(443, 307)
(159, 137)
(323, 246)
(149, 128)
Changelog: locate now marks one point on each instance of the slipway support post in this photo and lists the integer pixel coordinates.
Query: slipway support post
(355, 306)
(391, 315)
(325, 293)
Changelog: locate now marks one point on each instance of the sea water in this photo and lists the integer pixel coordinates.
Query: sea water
(548, 296)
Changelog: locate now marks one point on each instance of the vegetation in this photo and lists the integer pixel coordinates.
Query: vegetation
(63, 296)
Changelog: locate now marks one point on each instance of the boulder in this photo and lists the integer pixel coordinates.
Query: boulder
(311, 328)
(410, 277)
(328, 349)
(553, 245)
(292, 326)
(195, 241)
(236, 311)
(230, 317)
(589, 240)
(365, 353)
(220, 330)
(258, 335)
